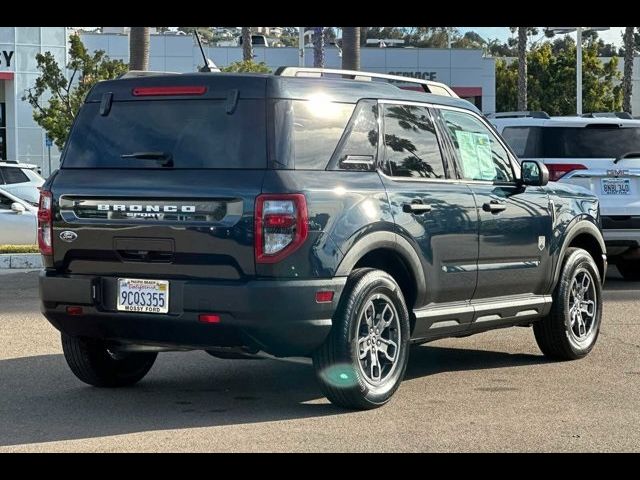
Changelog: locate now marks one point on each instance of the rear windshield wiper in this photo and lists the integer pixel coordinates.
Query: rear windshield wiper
(164, 156)
(627, 155)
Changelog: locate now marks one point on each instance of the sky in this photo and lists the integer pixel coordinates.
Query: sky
(614, 35)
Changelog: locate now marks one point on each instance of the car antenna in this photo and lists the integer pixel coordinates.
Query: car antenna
(206, 67)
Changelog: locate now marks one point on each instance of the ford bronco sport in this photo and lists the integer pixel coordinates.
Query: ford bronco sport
(337, 219)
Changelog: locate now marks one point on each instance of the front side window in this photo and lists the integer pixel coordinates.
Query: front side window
(411, 144)
(480, 154)
(5, 202)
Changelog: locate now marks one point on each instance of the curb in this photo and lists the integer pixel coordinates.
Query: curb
(20, 260)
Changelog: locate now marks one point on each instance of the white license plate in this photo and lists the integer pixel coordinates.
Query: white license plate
(146, 296)
(616, 186)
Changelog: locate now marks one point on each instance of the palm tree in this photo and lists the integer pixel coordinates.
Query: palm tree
(627, 84)
(139, 48)
(318, 47)
(522, 68)
(247, 47)
(351, 48)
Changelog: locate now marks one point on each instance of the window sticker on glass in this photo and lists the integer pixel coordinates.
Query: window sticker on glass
(475, 150)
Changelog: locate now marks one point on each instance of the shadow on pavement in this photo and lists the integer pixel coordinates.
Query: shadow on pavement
(41, 400)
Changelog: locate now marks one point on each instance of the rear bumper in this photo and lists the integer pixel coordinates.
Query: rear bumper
(279, 317)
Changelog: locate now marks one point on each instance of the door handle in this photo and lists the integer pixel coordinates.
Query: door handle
(494, 206)
(417, 208)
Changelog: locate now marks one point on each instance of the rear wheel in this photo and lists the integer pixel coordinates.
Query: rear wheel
(94, 363)
(363, 361)
(629, 269)
(571, 329)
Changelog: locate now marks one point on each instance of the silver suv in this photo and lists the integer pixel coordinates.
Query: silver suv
(599, 151)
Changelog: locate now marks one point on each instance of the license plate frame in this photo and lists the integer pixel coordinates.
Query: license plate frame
(144, 301)
(609, 186)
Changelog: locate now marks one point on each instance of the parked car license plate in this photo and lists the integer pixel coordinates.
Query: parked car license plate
(616, 186)
(147, 296)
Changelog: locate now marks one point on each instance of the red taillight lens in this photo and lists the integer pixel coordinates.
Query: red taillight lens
(74, 311)
(45, 234)
(324, 296)
(559, 170)
(281, 226)
(167, 91)
(209, 318)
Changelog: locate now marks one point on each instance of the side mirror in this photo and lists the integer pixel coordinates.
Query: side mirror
(17, 208)
(534, 173)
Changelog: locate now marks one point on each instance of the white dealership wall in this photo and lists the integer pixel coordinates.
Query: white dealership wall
(180, 53)
(25, 139)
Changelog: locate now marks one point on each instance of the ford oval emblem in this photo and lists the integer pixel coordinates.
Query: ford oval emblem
(68, 236)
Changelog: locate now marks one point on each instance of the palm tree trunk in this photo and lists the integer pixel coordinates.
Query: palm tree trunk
(139, 48)
(522, 68)
(627, 84)
(351, 48)
(247, 47)
(318, 47)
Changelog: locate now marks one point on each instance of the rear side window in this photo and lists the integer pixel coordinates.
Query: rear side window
(13, 175)
(592, 141)
(360, 140)
(411, 145)
(195, 133)
(525, 141)
(308, 131)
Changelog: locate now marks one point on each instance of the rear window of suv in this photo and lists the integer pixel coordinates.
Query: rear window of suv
(593, 141)
(195, 133)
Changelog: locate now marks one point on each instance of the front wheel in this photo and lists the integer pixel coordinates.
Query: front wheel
(94, 363)
(363, 361)
(571, 329)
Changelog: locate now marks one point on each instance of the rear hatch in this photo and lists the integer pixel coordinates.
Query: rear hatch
(604, 158)
(159, 179)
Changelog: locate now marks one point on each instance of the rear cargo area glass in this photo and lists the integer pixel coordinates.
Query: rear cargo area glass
(195, 133)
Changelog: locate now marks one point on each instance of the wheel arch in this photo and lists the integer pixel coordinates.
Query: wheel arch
(392, 254)
(587, 236)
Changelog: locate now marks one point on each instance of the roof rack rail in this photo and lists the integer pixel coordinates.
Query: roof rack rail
(623, 115)
(532, 114)
(146, 73)
(428, 86)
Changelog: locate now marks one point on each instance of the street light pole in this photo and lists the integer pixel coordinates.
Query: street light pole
(579, 70)
(301, 46)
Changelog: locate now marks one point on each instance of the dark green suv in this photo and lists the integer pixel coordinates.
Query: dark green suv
(339, 219)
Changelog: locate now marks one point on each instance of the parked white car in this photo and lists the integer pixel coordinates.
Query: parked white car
(18, 220)
(22, 180)
(599, 151)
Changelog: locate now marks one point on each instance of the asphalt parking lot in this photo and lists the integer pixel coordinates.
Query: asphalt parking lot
(490, 392)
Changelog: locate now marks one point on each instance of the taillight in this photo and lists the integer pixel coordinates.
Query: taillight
(559, 170)
(45, 223)
(281, 226)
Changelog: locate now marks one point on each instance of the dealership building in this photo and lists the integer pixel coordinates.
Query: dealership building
(467, 71)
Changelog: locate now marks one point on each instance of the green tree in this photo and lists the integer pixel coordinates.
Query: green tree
(56, 99)
(551, 80)
(247, 66)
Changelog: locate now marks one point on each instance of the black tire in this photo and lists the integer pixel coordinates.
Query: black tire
(555, 335)
(337, 364)
(91, 362)
(629, 269)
